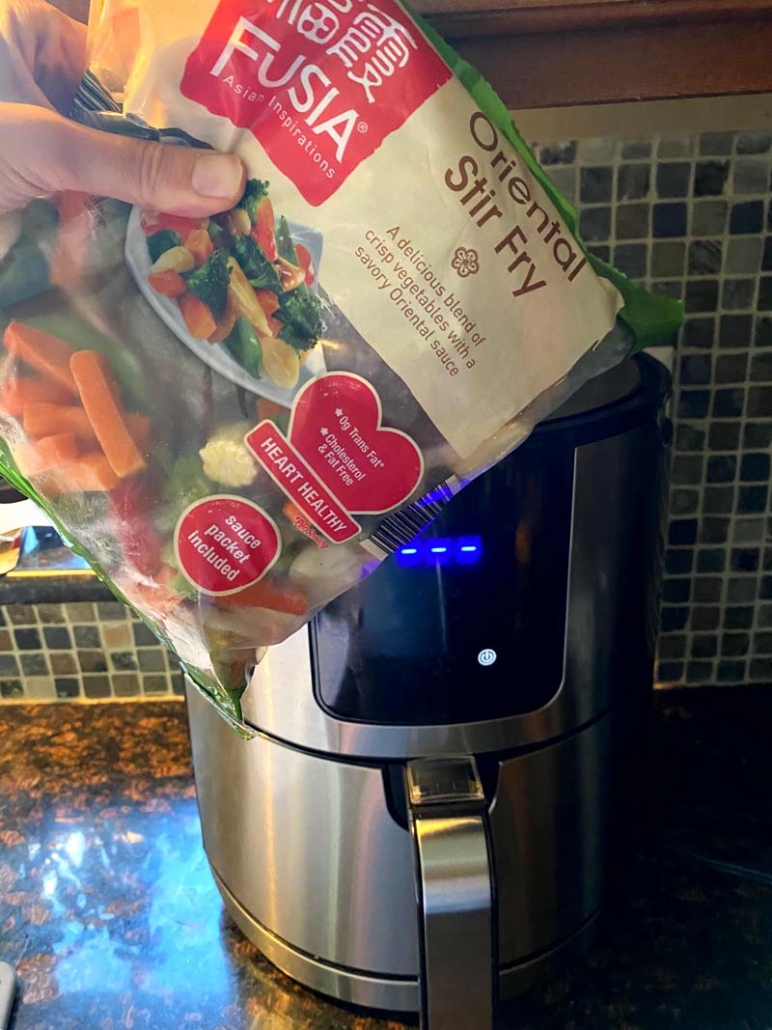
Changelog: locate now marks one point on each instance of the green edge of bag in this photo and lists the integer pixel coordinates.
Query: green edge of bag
(226, 701)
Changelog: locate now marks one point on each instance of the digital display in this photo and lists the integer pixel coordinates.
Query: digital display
(462, 550)
(466, 621)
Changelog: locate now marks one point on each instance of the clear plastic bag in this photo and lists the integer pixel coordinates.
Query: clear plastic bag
(236, 418)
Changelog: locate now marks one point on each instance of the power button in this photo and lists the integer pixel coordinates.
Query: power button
(487, 656)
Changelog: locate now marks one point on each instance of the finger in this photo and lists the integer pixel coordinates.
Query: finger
(61, 57)
(42, 54)
(47, 154)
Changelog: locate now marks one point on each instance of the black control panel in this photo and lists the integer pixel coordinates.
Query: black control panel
(467, 622)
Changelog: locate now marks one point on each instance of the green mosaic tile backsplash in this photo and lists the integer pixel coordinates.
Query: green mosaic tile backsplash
(83, 650)
(691, 217)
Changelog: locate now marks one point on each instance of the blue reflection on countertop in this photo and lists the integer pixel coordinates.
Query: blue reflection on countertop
(108, 909)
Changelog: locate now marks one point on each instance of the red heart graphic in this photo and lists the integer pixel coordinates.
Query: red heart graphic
(336, 427)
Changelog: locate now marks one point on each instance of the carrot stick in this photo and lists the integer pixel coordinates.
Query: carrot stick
(269, 302)
(97, 390)
(91, 473)
(199, 243)
(21, 391)
(50, 419)
(53, 450)
(168, 284)
(266, 595)
(198, 316)
(48, 453)
(269, 409)
(45, 353)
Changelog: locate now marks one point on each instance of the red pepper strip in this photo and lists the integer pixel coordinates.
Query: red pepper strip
(264, 229)
(266, 594)
(131, 503)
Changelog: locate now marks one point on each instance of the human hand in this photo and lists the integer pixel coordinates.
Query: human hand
(42, 59)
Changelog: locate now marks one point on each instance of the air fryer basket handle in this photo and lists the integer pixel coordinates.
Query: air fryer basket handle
(454, 887)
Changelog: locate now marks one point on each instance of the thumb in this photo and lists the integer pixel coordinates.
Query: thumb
(42, 153)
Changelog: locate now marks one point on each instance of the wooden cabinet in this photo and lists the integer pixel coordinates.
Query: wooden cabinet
(551, 53)
(555, 53)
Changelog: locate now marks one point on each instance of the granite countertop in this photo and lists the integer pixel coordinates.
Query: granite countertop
(109, 913)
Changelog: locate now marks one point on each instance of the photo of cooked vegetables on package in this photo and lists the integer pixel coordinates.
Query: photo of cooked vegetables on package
(234, 419)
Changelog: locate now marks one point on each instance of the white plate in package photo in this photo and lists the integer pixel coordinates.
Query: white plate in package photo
(215, 354)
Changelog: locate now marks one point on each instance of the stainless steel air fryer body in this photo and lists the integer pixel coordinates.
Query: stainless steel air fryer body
(422, 820)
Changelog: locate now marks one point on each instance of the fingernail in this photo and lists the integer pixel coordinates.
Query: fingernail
(217, 175)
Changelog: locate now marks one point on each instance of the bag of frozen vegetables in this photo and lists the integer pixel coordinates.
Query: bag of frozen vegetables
(236, 418)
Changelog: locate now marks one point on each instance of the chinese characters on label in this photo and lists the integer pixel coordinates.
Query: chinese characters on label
(320, 84)
(371, 49)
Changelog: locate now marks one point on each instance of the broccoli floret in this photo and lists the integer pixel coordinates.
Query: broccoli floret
(161, 241)
(301, 313)
(254, 192)
(187, 483)
(257, 268)
(217, 234)
(210, 282)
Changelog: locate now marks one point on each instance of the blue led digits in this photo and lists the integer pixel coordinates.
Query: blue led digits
(468, 550)
(464, 550)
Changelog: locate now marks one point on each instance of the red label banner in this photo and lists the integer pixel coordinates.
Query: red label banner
(319, 83)
(225, 544)
(292, 474)
(336, 426)
(339, 459)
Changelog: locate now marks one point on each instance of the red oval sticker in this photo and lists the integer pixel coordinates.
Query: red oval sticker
(225, 544)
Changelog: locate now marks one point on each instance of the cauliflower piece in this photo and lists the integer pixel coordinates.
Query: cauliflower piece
(321, 573)
(227, 459)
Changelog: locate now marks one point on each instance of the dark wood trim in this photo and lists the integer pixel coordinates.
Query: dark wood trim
(554, 53)
(458, 18)
(646, 59)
